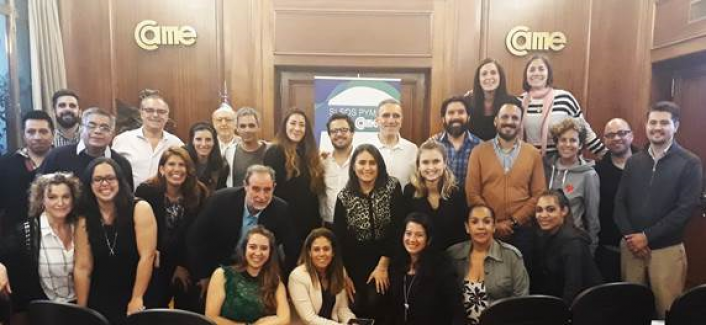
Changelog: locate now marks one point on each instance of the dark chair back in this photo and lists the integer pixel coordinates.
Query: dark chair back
(45, 312)
(689, 308)
(528, 310)
(619, 303)
(168, 317)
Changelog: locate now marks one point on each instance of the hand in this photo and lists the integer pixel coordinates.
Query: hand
(636, 242)
(203, 284)
(350, 288)
(324, 154)
(181, 274)
(4, 281)
(643, 254)
(382, 280)
(135, 305)
(504, 229)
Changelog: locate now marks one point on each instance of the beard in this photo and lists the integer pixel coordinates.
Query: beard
(507, 136)
(67, 120)
(455, 128)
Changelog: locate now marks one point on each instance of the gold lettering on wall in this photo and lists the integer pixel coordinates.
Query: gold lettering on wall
(149, 35)
(520, 41)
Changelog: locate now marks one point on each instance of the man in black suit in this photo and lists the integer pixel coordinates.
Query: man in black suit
(230, 213)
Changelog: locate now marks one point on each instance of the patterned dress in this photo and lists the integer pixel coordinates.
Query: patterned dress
(243, 301)
(475, 300)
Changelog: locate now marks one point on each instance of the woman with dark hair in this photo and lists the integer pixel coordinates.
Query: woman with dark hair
(489, 93)
(205, 152)
(176, 196)
(422, 281)
(116, 237)
(39, 253)
(564, 266)
(251, 291)
(317, 284)
(545, 106)
(433, 190)
(367, 222)
(295, 158)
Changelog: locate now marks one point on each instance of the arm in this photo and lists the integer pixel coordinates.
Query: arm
(520, 278)
(592, 199)
(537, 186)
(299, 286)
(474, 189)
(574, 255)
(201, 241)
(620, 210)
(4, 282)
(215, 297)
(146, 237)
(274, 157)
(83, 263)
(282, 316)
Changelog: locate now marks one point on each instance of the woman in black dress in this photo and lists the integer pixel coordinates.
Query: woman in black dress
(204, 149)
(489, 93)
(115, 241)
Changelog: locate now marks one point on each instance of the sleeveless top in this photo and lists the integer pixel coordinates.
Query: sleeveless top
(475, 300)
(243, 301)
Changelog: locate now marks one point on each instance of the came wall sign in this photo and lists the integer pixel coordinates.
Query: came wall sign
(150, 36)
(520, 41)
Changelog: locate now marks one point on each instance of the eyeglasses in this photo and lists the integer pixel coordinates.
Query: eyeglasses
(63, 105)
(151, 111)
(101, 127)
(341, 131)
(621, 134)
(110, 179)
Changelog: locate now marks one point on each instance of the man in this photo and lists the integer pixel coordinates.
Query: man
(17, 170)
(251, 149)
(96, 134)
(223, 120)
(618, 137)
(340, 128)
(68, 114)
(143, 147)
(457, 139)
(507, 175)
(230, 213)
(400, 154)
(657, 195)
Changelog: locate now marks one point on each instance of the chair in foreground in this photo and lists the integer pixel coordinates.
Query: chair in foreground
(168, 317)
(689, 308)
(619, 303)
(529, 310)
(45, 312)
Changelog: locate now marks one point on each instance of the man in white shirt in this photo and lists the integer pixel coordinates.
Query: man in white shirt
(399, 153)
(144, 146)
(340, 129)
(223, 120)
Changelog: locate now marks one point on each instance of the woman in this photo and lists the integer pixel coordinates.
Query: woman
(367, 220)
(563, 266)
(545, 106)
(250, 291)
(116, 237)
(317, 284)
(205, 152)
(487, 268)
(39, 254)
(575, 176)
(489, 93)
(175, 195)
(423, 282)
(433, 191)
(295, 158)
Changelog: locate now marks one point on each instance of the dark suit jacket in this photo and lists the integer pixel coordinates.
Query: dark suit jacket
(214, 235)
(65, 159)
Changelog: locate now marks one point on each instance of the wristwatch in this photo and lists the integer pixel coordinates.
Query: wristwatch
(514, 223)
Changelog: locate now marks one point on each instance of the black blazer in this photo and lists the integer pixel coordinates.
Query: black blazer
(19, 251)
(65, 159)
(212, 239)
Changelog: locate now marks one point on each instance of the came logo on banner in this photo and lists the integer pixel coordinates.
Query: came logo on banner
(520, 41)
(149, 35)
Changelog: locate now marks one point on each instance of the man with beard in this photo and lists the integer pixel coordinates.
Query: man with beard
(457, 139)
(224, 122)
(17, 170)
(340, 128)
(507, 174)
(618, 138)
(657, 196)
(399, 153)
(67, 113)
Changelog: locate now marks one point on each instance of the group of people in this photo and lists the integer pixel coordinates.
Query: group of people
(499, 204)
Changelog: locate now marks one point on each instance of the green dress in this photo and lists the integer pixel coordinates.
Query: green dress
(243, 302)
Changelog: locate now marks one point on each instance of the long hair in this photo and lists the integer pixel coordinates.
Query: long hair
(123, 200)
(447, 184)
(353, 180)
(192, 189)
(308, 148)
(334, 272)
(501, 95)
(426, 262)
(215, 163)
(41, 186)
(269, 276)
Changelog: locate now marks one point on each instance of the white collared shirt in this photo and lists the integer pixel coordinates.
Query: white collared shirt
(136, 148)
(400, 158)
(56, 265)
(80, 147)
(228, 152)
(335, 179)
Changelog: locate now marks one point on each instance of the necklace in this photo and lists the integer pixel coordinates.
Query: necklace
(111, 248)
(405, 292)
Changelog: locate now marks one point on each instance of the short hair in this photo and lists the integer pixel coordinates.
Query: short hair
(568, 124)
(37, 115)
(389, 101)
(550, 71)
(61, 93)
(511, 103)
(340, 116)
(151, 94)
(666, 106)
(258, 169)
(97, 111)
(43, 182)
(247, 111)
(454, 99)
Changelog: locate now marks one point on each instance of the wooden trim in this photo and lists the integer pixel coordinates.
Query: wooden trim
(113, 64)
(586, 64)
(355, 55)
(694, 45)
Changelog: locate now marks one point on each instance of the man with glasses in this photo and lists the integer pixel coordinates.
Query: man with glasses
(96, 133)
(144, 146)
(223, 119)
(250, 150)
(67, 113)
(340, 129)
(618, 138)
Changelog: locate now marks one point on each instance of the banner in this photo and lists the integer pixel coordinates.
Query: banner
(355, 97)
